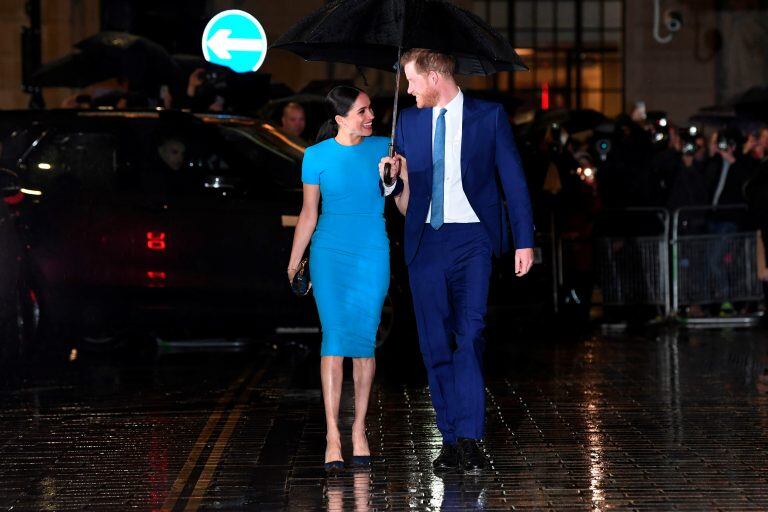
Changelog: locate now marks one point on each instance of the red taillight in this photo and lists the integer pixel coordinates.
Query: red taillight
(14, 200)
(156, 240)
(155, 279)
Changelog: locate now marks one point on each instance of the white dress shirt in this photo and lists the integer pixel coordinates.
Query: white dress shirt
(456, 207)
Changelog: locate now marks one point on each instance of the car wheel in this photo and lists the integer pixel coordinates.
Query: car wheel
(387, 324)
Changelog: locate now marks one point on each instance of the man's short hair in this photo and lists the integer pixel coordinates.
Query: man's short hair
(428, 60)
(292, 105)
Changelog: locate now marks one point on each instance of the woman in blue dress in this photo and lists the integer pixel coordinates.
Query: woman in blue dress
(349, 256)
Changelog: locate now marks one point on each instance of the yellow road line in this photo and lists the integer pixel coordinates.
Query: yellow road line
(202, 440)
(193, 503)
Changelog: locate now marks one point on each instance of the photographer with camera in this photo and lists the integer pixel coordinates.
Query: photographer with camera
(665, 163)
(727, 173)
(729, 169)
(689, 187)
(202, 94)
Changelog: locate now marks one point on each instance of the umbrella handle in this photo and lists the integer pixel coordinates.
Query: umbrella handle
(387, 167)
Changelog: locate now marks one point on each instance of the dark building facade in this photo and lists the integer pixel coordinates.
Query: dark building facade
(676, 55)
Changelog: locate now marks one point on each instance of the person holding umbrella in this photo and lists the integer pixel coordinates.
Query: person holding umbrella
(449, 259)
(349, 260)
(452, 151)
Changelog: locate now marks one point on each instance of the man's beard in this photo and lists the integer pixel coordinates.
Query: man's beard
(429, 98)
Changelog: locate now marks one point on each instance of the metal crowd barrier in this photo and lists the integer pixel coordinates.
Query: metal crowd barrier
(645, 256)
(630, 257)
(711, 264)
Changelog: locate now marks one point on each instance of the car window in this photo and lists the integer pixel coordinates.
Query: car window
(267, 161)
(86, 160)
(178, 159)
(14, 144)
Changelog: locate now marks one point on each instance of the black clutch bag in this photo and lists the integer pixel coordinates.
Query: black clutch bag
(300, 282)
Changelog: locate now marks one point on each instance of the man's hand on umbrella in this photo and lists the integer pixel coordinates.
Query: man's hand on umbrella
(394, 162)
(399, 167)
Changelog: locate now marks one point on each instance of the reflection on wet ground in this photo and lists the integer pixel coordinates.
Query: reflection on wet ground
(665, 421)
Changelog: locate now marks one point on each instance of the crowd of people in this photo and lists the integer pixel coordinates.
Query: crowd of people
(637, 160)
(706, 175)
(203, 92)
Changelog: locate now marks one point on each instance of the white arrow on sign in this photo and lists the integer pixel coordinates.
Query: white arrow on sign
(221, 44)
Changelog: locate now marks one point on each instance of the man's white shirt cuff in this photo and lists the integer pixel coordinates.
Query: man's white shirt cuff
(388, 189)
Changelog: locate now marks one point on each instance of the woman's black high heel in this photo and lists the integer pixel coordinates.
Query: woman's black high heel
(335, 466)
(361, 461)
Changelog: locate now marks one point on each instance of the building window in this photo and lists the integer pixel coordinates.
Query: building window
(574, 49)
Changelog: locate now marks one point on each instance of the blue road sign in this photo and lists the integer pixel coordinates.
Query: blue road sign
(235, 39)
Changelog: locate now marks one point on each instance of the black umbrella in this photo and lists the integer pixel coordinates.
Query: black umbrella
(370, 33)
(73, 70)
(144, 63)
(373, 33)
(752, 104)
(723, 116)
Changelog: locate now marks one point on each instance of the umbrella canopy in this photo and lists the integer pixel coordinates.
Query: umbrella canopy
(370, 33)
(144, 63)
(752, 104)
(373, 33)
(723, 116)
(74, 70)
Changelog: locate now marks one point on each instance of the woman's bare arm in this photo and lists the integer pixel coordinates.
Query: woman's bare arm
(305, 227)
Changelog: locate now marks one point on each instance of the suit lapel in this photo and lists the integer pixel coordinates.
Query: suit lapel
(424, 132)
(467, 133)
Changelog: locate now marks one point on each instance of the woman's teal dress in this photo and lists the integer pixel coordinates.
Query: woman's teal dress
(349, 254)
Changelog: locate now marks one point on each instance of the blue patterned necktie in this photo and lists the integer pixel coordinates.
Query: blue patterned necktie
(438, 172)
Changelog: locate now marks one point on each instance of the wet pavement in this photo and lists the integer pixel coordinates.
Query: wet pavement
(662, 421)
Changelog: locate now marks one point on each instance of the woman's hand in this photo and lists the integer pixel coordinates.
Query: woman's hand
(292, 273)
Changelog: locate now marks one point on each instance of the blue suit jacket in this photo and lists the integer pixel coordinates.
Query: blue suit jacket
(489, 158)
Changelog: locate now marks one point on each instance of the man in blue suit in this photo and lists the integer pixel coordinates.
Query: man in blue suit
(458, 163)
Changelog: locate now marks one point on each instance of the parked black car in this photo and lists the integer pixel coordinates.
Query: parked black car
(162, 220)
(179, 224)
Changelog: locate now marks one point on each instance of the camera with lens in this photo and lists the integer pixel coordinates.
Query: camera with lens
(603, 147)
(689, 147)
(673, 20)
(730, 138)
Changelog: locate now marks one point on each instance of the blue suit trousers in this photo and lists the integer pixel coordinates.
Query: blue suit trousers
(450, 276)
